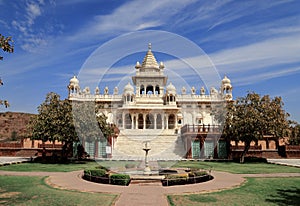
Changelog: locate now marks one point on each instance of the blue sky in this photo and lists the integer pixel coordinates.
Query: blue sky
(255, 43)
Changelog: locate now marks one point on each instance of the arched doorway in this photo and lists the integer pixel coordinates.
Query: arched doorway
(149, 89)
(157, 89)
(142, 89)
(171, 121)
(158, 121)
(127, 121)
(140, 121)
(149, 121)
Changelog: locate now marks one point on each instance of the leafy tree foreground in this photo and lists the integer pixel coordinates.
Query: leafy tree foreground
(6, 46)
(252, 117)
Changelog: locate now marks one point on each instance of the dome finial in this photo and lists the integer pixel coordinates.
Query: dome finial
(149, 46)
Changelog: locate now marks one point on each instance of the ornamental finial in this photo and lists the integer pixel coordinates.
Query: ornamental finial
(149, 46)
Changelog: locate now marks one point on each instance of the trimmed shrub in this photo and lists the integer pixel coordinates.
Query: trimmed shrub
(176, 179)
(199, 173)
(96, 175)
(189, 178)
(95, 172)
(102, 167)
(120, 179)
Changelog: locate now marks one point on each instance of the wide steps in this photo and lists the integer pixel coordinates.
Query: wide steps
(164, 144)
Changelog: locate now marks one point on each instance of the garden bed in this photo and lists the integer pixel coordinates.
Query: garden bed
(104, 176)
(191, 177)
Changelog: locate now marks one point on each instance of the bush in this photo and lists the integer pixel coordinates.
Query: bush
(120, 179)
(95, 172)
(102, 167)
(189, 178)
(179, 179)
(199, 173)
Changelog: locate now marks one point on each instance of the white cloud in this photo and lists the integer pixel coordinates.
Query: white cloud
(133, 16)
(270, 52)
(256, 77)
(33, 11)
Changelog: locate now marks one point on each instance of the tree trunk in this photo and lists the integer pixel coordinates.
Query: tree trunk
(247, 147)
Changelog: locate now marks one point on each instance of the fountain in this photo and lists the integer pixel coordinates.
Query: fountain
(147, 170)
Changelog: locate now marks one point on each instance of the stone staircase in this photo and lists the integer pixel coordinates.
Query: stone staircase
(164, 145)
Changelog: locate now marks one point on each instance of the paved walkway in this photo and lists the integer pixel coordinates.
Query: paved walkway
(13, 160)
(144, 193)
(289, 162)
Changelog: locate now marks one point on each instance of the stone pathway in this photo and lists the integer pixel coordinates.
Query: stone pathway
(13, 160)
(289, 162)
(144, 193)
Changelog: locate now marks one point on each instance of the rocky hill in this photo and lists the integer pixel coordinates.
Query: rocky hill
(13, 125)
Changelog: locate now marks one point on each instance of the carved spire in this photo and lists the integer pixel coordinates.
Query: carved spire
(149, 60)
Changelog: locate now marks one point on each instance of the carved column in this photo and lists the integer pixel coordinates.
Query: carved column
(123, 120)
(144, 121)
(136, 121)
(176, 120)
(155, 117)
(132, 121)
(167, 121)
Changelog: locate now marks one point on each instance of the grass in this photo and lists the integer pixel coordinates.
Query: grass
(43, 167)
(256, 191)
(232, 167)
(237, 168)
(21, 190)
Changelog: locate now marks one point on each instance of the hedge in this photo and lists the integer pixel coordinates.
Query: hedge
(190, 178)
(120, 179)
(101, 176)
(95, 172)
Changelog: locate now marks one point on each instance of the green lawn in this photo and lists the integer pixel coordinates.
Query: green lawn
(41, 167)
(232, 167)
(19, 190)
(246, 168)
(256, 191)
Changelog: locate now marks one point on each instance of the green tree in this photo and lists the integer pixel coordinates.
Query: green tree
(6, 46)
(294, 134)
(55, 122)
(224, 115)
(89, 125)
(251, 117)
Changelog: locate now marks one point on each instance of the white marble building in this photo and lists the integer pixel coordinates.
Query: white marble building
(152, 108)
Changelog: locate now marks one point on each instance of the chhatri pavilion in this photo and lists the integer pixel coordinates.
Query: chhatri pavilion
(150, 109)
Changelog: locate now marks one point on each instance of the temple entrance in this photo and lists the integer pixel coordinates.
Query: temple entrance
(149, 121)
(140, 121)
(171, 121)
(158, 122)
(127, 121)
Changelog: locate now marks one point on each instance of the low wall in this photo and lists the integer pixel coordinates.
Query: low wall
(288, 151)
